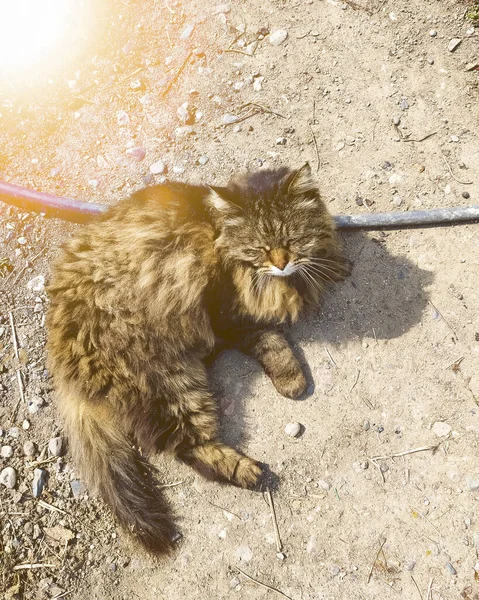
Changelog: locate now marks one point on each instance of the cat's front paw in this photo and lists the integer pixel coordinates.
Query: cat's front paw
(291, 384)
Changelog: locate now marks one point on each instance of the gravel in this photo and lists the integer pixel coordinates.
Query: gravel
(29, 448)
(6, 452)
(55, 446)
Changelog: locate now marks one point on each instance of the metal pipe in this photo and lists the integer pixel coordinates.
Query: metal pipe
(83, 212)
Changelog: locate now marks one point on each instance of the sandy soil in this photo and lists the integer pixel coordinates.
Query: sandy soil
(392, 353)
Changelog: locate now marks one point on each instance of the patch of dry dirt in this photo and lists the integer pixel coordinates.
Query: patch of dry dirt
(392, 353)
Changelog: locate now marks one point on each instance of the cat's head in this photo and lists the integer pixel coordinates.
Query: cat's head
(275, 222)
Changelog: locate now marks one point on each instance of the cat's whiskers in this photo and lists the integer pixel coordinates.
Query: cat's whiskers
(319, 272)
(310, 279)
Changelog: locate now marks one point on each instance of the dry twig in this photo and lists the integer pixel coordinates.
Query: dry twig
(17, 369)
(33, 566)
(417, 587)
(405, 452)
(452, 174)
(264, 585)
(176, 75)
(279, 545)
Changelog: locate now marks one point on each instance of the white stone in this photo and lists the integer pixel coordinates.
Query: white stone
(37, 284)
(292, 429)
(278, 37)
(6, 452)
(441, 429)
(8, 477)
(157, 167)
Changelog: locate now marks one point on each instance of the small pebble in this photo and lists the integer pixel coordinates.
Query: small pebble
(404, 104)
(244, 553)
(29, 448)
(136, 85)
(441, 429)
(222, 8)
(157, 167)
(278, 37)
(137, 153)
(281, 141)
(229, 118)
(187, 31)
(22, 241)
(122, 118)
(451, 569)
(203, 159)
(454, 138)
(76, 488)
(37, 284)
(472, 483)
(14, 433)
(26, 425)
(410, 566)
(324, 485)
(396, 120)
(430, 60)
(6, 452)
(184, 114)
(433, 33)
(280, 555)
(453, 44)
(39, 480)
(366, 425)
(55, 446)
(293, 430)
(8, 477)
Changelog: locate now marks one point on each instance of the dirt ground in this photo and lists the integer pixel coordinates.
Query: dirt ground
(392, 353)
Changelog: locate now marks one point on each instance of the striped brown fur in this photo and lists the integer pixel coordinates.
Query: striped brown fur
(138, 299)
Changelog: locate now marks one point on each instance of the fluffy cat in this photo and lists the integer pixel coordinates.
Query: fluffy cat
(140, 298)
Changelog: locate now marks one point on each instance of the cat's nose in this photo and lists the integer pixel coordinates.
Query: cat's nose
(279, 258)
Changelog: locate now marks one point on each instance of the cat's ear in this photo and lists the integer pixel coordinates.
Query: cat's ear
(301, 181)
(218, 199)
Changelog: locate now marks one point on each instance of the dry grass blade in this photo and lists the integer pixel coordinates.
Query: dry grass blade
(51, 508)
(176, 75)
(429, 590)
(17, 370)
(34, 566)
(376, 559)
(330, 358)
(417, 587)
(452, 174)
(264, 585)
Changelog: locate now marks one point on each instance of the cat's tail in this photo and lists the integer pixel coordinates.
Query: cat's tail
(113, 468)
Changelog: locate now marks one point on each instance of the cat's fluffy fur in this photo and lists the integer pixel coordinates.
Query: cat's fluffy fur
(139, 299)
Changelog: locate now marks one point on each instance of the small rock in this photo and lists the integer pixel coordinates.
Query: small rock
(293, 430)
(14, 433)
(22, 241)
(404, 104)
(430, 60)
(397, 200)
(280, 555)
(55, 446)
(122, 118)
(26, 425)
(396, 120)
(8, 477)
(366, 425)
(244, 553)
(136, 85)
(229, 118)
(281, 141)
(6, 452)
(234, 583)
(76, 488)
(185, 115)
(39, 480)
(137, 153)
(203, 159)
(158, 167)
(410, 566)
(454, 44)
(433, 33)
(324, 485)
(222, 8)
(59, 533)
(441, 429)
(472, 483)
(454, 138)
(179, 169)
(29, 448)
(258, 84)
(466, 195)
(278, 37)
(187, 31)
(451, 569)
(37, 284)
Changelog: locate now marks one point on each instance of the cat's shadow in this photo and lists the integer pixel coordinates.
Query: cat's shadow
(382, 299)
